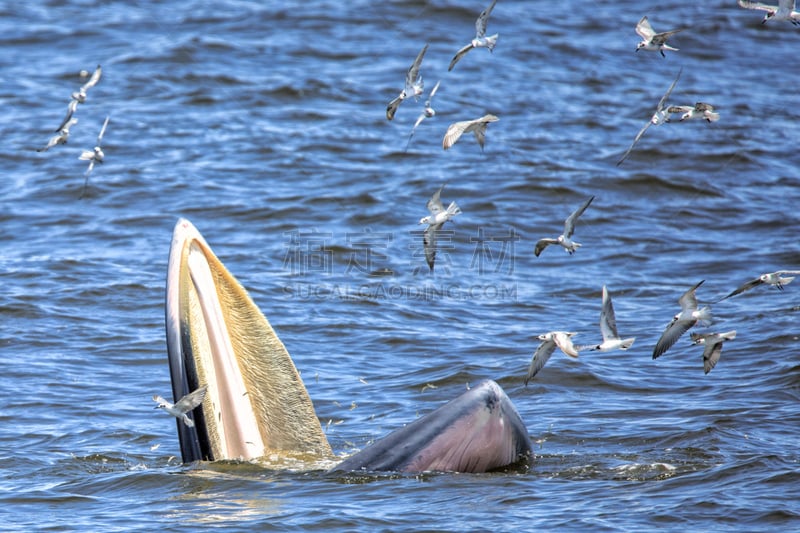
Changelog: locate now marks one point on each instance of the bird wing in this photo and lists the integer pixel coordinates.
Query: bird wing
(413, 71)
(540, 357)
(635, 140)
(644, 29)
(701, 107)
(483, 21)
(102, 131)
(73, 105)
(433, 91)
(159, 399)
(93, 80)
(745, 287)
(454, 132)
(191, 400)
(669, 91)
(689, 299)
(434, 204)
(671, 335)
(564, 343)
(541, 244)
(391, 109)
(757, 5)
(429, 243)
(661, 38)
(569, 223)
(608, 320)
(711, 355)
(458, 56)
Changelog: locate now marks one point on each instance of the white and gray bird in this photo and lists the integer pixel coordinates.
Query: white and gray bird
(182, 406)
(783, 11)
(713, 346)
(93, 156)
(439, 215)
(61, 138)
(477, 126)
(413, 88)
(608, 328)
(776, 279)
(79, 96)
(652, 41)
(660, 116)
(551, 340)
(699, 110)
(689, 316)
(565, 239)
(427, 112)
(480, 40)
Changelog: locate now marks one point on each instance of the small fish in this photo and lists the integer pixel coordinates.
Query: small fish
(775, 279)
(608, 328)
(652, 41)
(182, 406)
(565, 239)
(414, 85)
(713, 346)
(477, 126)
(784, 11)
(61, 138)
(683, 321)
(659, 117)
(427, 112)
(551, 340)
(439, 215)
(93, 156)
(698, 110)
(480, 40)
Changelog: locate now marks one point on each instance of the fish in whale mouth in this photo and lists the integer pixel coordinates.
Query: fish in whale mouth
(256, 405)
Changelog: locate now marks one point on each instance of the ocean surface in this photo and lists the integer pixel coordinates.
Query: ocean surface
(264, 124)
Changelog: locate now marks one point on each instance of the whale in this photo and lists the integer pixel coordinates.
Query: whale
(257, 407)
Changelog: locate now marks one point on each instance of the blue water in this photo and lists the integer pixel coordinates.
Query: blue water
(264, 124)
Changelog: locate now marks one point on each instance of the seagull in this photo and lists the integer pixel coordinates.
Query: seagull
(608, 327)
(61, 138)
(561, 339)
(414, 85)
(784, 11)
(182, 406)
(699, 110)
(773, 278)
(651, 40)
(682, 322)
(480, 40)
(713, 346)
(477, 126)
(659, 117)
(427, 112)
(564, 239)
(439, 215)
(79, 96)
(93, 156)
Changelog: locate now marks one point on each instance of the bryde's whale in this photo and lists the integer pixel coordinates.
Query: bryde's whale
(256, 405)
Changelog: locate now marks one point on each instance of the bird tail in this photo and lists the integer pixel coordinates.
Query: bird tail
(188, 421)
(453, 209)
(627, 343)
(712, 116)
(491, 41)
(729, 336)
(704, 314)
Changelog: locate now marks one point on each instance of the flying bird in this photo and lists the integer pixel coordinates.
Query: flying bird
(682, 322)
(784, 10)
(414, 85)
(698, 110)
(480, 40)
(182, 406)
(651, 40)
(608, 328)
(93, 156)
(713, 346)
(565, 239)
(551, 340)
(477, 126)
(427, 112)
(775, 279)
(439, 215)
(61, 138)
(79, 96)
(659, 117)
